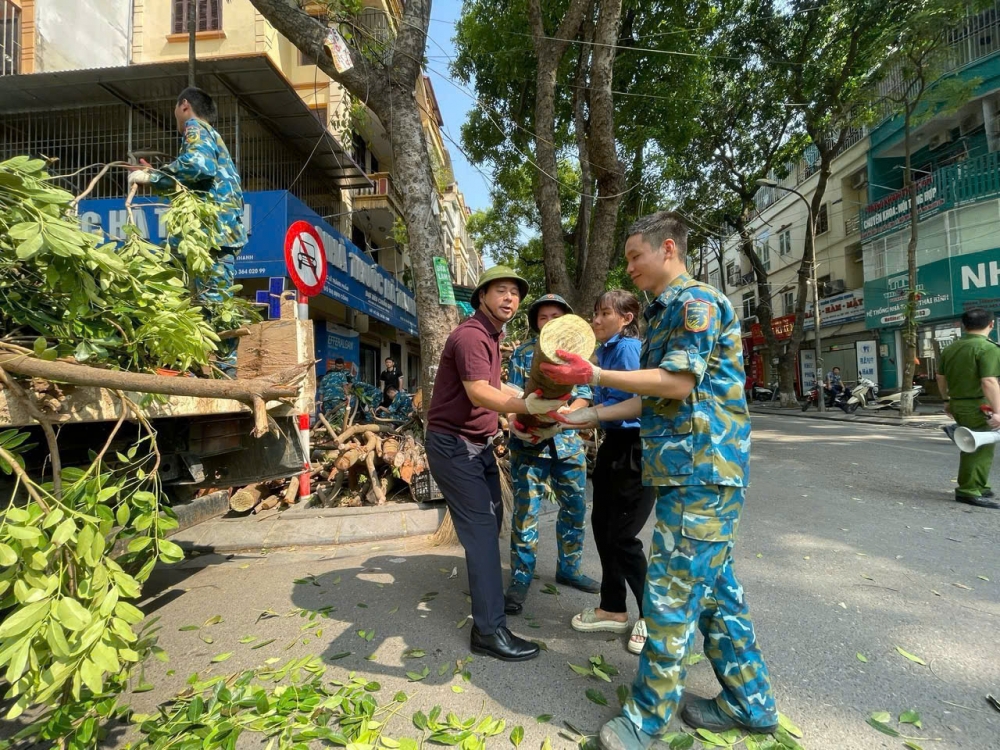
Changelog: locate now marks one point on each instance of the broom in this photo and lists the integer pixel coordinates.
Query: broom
(445, 536)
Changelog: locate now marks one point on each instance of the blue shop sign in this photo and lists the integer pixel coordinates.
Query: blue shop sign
(353, 279)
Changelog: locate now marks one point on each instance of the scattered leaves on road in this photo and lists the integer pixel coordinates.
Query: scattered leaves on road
(550, 588)
(221, 657)
(596, 696)
(911, 717)
(418, 676)
(862, 657)
(912, 657)
(516, 736)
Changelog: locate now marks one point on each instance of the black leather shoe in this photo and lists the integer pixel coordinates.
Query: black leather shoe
(980, 501)
(989, 493)
(502, 645)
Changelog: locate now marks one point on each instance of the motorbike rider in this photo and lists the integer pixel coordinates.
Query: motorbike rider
(834, 383)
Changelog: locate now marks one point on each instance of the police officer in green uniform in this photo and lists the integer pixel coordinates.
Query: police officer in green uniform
(695, 431)
(968, 379)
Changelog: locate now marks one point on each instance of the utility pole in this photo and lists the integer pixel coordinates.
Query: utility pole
(821, 396)
(192, 22)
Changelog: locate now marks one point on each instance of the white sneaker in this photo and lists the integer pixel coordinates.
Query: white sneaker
(637, 640)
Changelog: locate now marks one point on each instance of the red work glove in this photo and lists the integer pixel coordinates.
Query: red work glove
(576, 371)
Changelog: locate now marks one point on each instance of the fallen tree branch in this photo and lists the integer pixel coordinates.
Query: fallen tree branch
(358, 429)
(46, 422)
(254, 393)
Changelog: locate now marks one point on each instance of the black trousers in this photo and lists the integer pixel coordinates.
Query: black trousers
(621, 508)
(468, 477)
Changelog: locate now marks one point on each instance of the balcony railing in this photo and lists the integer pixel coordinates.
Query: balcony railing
(977, 37)
(383, 190)
(372, 35)
(957, 184)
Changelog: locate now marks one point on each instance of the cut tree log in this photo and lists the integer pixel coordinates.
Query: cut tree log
(267, 503)
(569, 333)
(360, 428)
(349, 457)
(254, 393)
(291, 495)
(245, 499)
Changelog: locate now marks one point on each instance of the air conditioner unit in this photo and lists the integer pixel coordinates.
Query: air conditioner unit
(971, 123)
(939, 140)
(837, 286)
(358, 321)
(859, 181)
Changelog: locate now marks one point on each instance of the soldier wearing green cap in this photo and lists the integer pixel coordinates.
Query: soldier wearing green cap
(461, 424)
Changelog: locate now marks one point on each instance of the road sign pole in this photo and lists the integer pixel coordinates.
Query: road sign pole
(303, 305)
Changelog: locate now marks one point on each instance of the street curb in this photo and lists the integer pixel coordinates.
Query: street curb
(799, 414)
(305, 527)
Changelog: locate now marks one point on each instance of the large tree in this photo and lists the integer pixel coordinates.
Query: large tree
(576, 90)
(387, 82)
(918, 58)
(833, 50)
(745, 131)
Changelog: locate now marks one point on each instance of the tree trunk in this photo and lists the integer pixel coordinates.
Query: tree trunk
(600, 151)
(390, 95)
(765, 310)
(912, 294)
(787, 360)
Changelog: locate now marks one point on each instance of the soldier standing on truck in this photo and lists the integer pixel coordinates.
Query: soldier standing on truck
(205, 166)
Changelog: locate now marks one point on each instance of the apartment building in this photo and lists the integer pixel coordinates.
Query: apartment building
(304, 149)
(956, 165)
(779, 233)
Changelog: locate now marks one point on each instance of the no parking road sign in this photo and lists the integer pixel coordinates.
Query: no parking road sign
(305, 258)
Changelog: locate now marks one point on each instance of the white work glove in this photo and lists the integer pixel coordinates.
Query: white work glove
(536, 405)
(534, 435)
(579, 418)
(140, 177)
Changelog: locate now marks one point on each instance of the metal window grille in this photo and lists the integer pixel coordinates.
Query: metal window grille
(208, 15)
(82, 140)
(823, 219)
(10, 38)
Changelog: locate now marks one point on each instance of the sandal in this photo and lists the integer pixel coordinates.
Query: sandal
(637, 640)
(588, 622)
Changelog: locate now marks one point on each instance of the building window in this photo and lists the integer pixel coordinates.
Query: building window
(714, 278)
(10, 38)
(785, 242)
(305, 59)
(321, 115)
(765, 253)
(788, 302)
(732, 274)
(749, 305)
(823, 220)
(208, 15)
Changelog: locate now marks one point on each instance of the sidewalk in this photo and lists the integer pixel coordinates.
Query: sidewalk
(929, 417)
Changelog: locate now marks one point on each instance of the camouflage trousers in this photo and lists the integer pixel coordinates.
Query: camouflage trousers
(691, 586)
(215, 288)
(534, 475)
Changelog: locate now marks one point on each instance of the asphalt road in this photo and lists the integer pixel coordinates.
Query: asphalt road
(850, 543)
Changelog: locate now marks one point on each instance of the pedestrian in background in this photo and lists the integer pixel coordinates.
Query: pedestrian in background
(621, 503)
(461, 424)
(389, 377)
(205, 166)
(968, 379)
(695, 429)
(546, 460)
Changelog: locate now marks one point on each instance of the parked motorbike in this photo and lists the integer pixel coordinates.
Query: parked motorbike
(762, 393)
(892, 401)
(864, 392)
(831, 398)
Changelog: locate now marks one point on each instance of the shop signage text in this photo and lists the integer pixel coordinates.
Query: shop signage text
(352, 277)
(946, 288)
(867, 357)
(893, 210)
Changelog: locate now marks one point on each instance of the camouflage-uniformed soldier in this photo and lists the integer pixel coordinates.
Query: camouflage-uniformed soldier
(400, 408)
(333, 391)
(696, 445)
(968, 379)
(204, 165)
(546, 460)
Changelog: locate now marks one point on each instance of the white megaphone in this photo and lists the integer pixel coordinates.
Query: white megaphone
(969, 441)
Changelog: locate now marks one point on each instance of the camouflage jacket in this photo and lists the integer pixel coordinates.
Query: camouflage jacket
(204, 165)
(565, 443)
(704, 439)
(333, 390)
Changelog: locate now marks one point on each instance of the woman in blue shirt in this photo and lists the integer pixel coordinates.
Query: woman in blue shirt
(621, 504)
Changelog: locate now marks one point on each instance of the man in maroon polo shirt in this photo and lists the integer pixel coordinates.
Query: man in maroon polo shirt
(461, 423)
